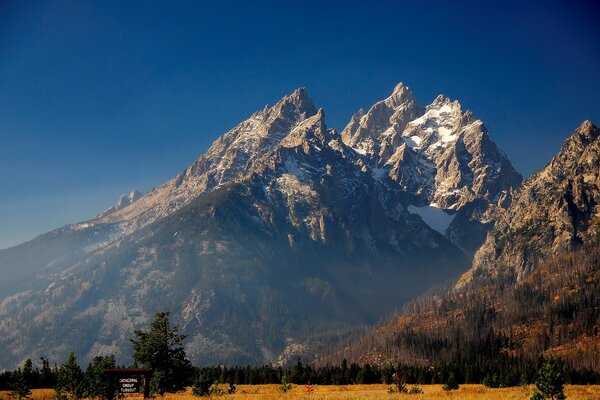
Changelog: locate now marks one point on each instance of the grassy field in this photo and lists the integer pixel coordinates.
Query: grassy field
(369, 392)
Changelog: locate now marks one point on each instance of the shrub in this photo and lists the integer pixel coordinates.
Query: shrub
(415, 390)
(201, 385)
(450, 383)
(285, 386)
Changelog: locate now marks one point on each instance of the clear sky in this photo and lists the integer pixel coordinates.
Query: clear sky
(98, 98)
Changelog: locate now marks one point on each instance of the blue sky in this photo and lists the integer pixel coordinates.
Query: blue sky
(97, 98)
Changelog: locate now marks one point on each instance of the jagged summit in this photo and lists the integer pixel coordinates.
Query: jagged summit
(293, 106)
(555, 210)
(375, 132)
(312, 129)
(587, 132)
(441, 149)
(400, 87)
(281, 220)
(123, 201)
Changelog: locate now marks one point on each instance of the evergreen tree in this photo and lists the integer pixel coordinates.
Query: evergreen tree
(284, 386)
(69, 382)
(20, 389)
(202, 384)
(47, 377)
(161, 349)
(29, 373)
(549, 383)
(97, 383)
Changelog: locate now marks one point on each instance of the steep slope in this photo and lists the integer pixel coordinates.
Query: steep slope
(226, 160)
(556, 210)
(229, 157)
(441, 155)
(267, 244)
(533, 285)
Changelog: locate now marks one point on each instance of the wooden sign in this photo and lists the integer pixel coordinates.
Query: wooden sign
(129, 385)
(128, 380)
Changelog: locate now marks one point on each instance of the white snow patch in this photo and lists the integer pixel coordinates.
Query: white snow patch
(379, 173)
(413, 141)
(433, 216)
(292, 187)
(291, 165)
(360, 151)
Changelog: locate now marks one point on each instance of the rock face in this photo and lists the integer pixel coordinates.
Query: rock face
(283, 234)
(123, 201)
(441, 155)
(533, 286)
(555, 210)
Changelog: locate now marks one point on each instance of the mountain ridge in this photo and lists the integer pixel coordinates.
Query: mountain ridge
(276, 238)
(532, 287)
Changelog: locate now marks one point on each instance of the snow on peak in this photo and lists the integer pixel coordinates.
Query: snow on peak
(438, 127)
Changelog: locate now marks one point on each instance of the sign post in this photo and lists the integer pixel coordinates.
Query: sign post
(127, 380)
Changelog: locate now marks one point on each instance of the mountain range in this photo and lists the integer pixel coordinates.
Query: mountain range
(287, 236)
(532, 288)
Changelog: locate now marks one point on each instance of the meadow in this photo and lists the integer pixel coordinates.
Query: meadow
(356, 392)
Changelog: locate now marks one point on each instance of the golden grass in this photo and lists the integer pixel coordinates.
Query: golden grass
(357, 392)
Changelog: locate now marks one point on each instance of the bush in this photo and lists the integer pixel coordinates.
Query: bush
(285, 386)
(491, 381)
(201, 385)
(415, 390)
(398, 379)
(215, 389)
(450, 383)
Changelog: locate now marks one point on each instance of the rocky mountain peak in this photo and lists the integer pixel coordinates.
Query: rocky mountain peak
(123, 201)
(586, 133)
(295, 106)
(400, 95)
(376, 132)
(555, 210)
(310, 131)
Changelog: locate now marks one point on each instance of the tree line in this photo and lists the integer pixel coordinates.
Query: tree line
(161, 349)
(497, 322)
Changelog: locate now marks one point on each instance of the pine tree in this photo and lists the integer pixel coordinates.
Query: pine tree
(47, 377)
(97, 383)
(549, 383)
(20, 389)
(69, 382)
(161, 349)
(202, 384)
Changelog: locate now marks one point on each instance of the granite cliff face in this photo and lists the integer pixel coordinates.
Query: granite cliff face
(556, 210)
(284, 235)
(533, 286)
(441, 155)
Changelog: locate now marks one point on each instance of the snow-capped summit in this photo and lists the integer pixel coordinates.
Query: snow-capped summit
(441, 155)
(281, 217)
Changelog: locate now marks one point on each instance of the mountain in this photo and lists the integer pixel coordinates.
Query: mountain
(284, 236)
(532, 288)
(557, 210)
(441, 155)
(124, 201)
